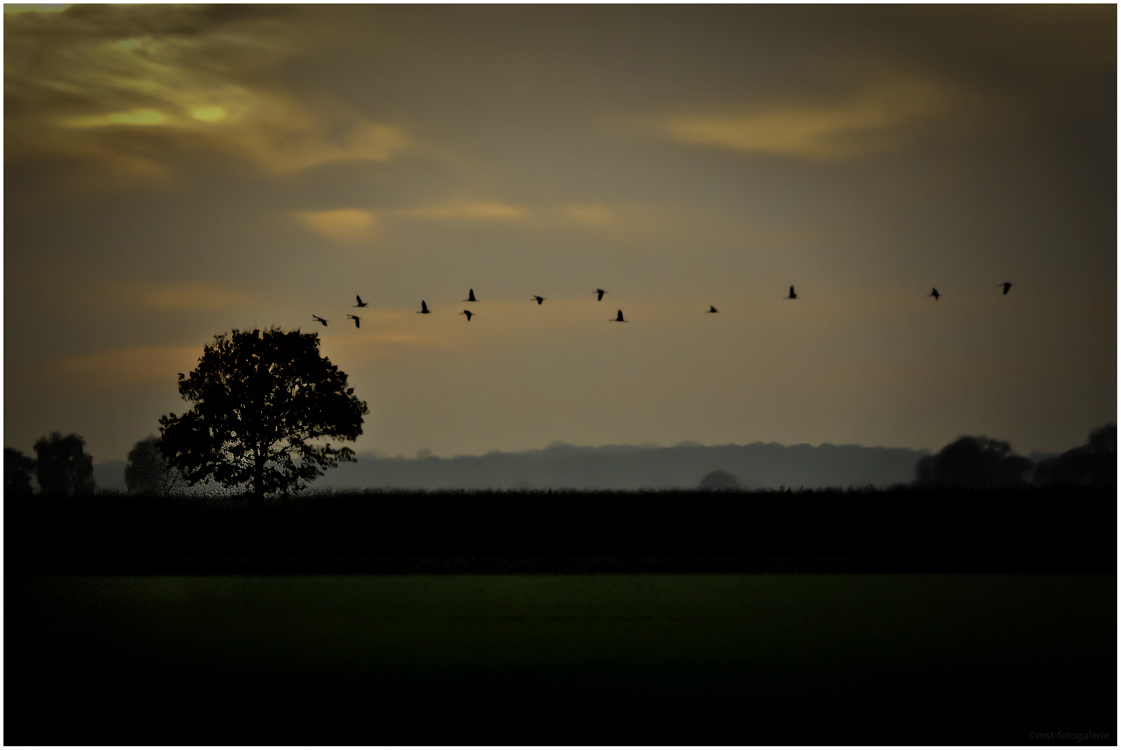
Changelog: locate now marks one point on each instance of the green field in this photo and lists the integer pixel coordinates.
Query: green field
(591, 648)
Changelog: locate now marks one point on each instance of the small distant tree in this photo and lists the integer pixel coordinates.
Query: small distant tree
(148, 472)
(262, 403)
(17, 473)
(719, 480)
(63, 467)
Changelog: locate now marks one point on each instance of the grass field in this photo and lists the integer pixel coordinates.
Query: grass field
(900, 617)
(701, 659)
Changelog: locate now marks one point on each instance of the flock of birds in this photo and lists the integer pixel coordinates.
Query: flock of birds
(599, 296)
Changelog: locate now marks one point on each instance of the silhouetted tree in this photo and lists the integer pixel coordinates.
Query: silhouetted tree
(148, 472)
(973, 462)
(62, 466)
(1090, 465)
(260, 403)
(719, 480)
(17, 473)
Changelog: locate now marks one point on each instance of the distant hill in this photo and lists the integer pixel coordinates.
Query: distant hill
(626, 467)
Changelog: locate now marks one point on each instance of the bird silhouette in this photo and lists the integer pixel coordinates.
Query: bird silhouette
(934, 294)
(1007, 286)
(357, 324)
(470, 298)
(792, 294)
(712, 309)
(468, 313)
(360, 302)
(600, 292)
(321, 320)
(618, 319)
(423, 309)
(539, 299)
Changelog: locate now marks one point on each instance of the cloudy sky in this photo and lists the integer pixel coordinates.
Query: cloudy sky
(174, 172)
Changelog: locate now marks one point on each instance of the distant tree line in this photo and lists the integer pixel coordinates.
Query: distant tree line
(981, 462)
(63, 468)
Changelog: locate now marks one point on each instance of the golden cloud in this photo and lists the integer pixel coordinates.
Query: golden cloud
(35, 7)
(181, 297)
(344, 226)
(120, 368)
(350, 225)
(128, 87)
(886, 115)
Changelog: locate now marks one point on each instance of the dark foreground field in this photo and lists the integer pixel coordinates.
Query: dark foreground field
(825, 618)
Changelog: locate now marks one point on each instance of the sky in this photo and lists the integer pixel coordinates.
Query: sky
(176, 172)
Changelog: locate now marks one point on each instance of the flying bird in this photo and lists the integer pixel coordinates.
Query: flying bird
(470, 298)
(468, 313)
(321, 320)
(423, 309)
(792, 294)
(357, 324)
(360, 302)
(600, 292)
(712, 309)
(619, 319)
(1007, 286)
(934, 294)
(539, 299)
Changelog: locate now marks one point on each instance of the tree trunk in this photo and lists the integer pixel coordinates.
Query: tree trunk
(257, 499)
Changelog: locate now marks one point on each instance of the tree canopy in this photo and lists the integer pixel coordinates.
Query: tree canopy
(262, 404)
(973, 462)
(1090, 465)
(719, 480)
(62, 465)
(17, 473)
